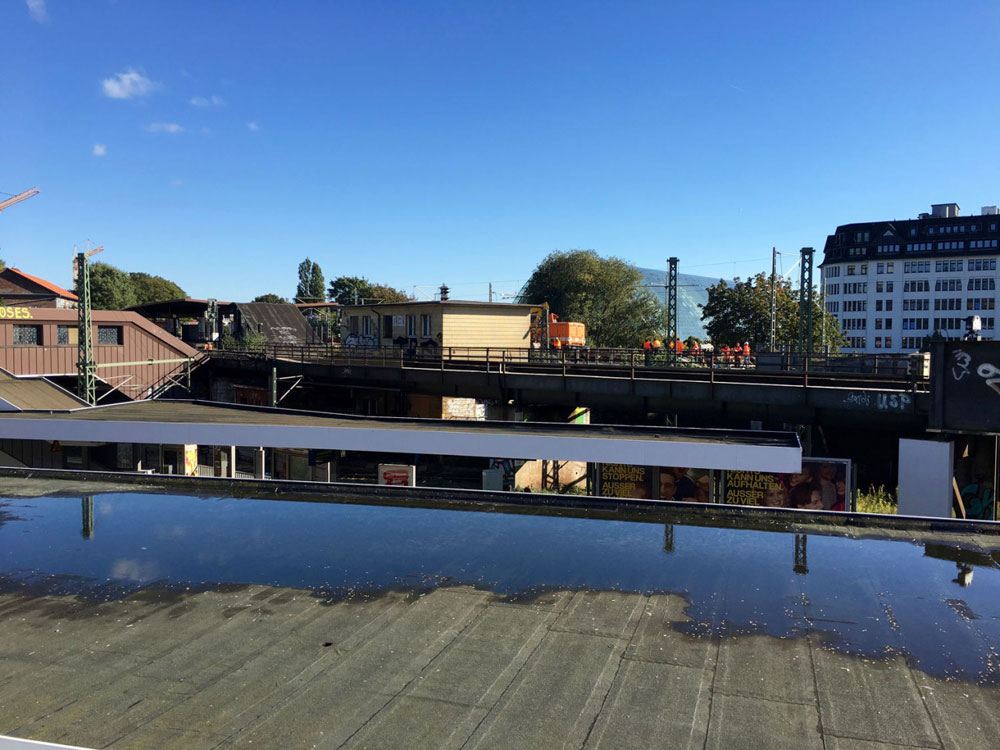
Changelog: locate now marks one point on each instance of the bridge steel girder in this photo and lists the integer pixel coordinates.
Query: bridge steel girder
(859, 407)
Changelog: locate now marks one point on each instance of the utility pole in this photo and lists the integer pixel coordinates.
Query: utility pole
(671, 342)
(771, 305)
(86, 368)
(806, 301)
(491, 291)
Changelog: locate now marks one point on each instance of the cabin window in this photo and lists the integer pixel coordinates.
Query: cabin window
(27, 335)
(67, 335)
(109, 335)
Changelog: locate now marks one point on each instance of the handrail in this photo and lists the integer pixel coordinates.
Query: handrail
(888, 367)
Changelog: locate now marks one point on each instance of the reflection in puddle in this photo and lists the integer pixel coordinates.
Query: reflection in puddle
(872, 598)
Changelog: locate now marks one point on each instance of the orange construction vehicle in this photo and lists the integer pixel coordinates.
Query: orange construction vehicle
(548, 331)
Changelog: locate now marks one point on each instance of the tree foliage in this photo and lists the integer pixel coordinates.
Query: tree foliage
(154, 288)
(344, 290)
(273, 299)
(312, 285)
(606, 294)
(741, 312)
(110, 288)
(114, 289)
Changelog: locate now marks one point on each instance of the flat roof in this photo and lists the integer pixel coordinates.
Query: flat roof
(208, 423)
(135, 619)
(447, 302)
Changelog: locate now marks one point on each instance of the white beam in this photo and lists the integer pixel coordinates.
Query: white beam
(706, 454)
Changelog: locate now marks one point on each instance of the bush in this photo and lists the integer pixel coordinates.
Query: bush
(877, 500)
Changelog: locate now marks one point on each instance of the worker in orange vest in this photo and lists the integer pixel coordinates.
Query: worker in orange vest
(746, 354)
(725, 355)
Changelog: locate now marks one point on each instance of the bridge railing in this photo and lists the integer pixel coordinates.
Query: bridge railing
(888, 366)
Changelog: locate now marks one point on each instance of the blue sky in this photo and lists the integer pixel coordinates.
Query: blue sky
(415, 143)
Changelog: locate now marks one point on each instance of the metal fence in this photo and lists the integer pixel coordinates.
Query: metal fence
(890, 366)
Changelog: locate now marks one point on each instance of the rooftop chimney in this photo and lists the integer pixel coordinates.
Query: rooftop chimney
(944, 210)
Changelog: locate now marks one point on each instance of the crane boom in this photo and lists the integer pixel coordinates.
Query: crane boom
(18, 198)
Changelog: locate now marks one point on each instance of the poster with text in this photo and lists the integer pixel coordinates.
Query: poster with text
(823, 484)
(655, 482)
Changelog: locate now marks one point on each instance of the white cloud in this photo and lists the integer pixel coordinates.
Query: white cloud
(38, 11)
(208, 101)
(253, 126)
(126, 85)
(100, 150)
(164, 127)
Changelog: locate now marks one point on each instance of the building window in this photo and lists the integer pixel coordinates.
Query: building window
(888, 342)
(425, 326)
(411, 326)
(109, 335)
(67, 335)
(27, 335)
(366, 326)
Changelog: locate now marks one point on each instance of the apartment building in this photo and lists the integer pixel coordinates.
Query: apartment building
(892, 284)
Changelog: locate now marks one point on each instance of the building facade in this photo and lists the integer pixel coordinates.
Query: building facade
(135, 357)
(20, 289)
(437, 324)
(893, 284)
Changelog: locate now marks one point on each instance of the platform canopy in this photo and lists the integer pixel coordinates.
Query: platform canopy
(207, 423)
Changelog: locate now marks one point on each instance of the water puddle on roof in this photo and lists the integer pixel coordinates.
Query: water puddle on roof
(935, 602)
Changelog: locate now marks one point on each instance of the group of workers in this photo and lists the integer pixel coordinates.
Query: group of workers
(737, 355)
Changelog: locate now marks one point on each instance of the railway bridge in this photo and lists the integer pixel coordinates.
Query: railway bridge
(870, 393)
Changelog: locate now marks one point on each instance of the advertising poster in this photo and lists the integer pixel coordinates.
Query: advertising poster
(401, 475)
(655, 482)
(625, 480)
(687, 485)
(823, 484)
(191, 460)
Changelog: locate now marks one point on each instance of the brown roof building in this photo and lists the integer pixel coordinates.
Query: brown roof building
(20, 289)
(134, 356)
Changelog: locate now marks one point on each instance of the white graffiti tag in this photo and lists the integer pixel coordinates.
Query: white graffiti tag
(990, 374)
(961, 367)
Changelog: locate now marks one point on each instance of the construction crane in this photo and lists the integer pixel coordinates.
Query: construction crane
(18, 198)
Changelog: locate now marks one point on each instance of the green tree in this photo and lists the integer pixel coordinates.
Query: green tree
(110, 288)
(741, 312)
(344, 290)
(606, 294)
(3, 266)
(311, 286)
(274, 299)
(149, 289)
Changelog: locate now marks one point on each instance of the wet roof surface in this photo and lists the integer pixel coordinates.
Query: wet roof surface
(238, 620)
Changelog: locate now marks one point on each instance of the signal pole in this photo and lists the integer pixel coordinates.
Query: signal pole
(806, 301)
(86, 368)
(671, 342)
(774, 276)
